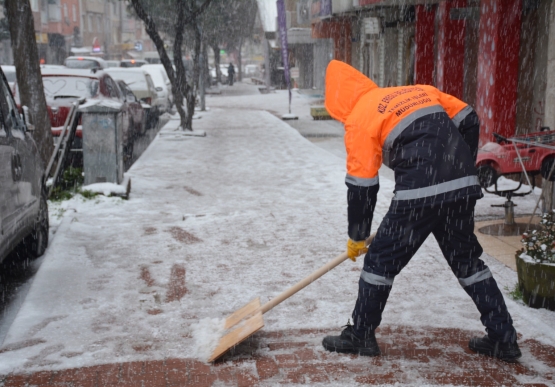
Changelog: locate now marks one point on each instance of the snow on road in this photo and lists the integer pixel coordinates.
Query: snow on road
(212, 223)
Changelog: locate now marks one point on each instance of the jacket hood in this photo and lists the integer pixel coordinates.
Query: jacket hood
(344, 87)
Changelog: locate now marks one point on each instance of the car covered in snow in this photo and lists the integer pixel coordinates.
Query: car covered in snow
(23, 197)
(85, 62)
(162, 86)
(137, 114)
(140, 82)
(501, 158)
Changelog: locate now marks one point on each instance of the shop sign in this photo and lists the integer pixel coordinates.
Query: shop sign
(41, 37)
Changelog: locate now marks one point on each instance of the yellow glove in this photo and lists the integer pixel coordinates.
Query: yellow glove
(354, 249)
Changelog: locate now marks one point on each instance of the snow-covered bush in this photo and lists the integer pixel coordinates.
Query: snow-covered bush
(540, 244)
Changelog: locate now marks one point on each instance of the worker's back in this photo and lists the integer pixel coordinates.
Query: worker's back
(412, 129)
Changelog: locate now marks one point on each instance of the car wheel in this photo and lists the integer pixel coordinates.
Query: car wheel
(35, 244)
(547, 164)
(487, 176)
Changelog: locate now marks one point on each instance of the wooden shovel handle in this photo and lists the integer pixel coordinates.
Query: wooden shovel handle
(309, 279)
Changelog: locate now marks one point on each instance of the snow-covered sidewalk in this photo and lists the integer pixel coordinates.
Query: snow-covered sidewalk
(213, 222)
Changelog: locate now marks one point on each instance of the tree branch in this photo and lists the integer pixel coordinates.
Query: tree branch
(194, 13)
(152, 31)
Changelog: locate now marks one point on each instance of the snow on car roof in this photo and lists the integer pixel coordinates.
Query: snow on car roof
(124, 69)
(127, 73)
(79, 57)
(71, 72)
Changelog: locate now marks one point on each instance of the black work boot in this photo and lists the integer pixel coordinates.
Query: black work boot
(349, 342)
(508, 352)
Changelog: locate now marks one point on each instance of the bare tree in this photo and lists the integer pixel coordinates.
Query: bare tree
(29, 79)
(182, 13)
(228, 24)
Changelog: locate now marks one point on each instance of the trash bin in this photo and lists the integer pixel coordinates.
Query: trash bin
(102, 124)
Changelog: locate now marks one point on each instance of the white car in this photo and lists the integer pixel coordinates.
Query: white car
(162, 84)
(140, 82)
(85, 62)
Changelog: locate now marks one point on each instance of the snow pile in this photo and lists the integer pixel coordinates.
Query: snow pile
(206, 335)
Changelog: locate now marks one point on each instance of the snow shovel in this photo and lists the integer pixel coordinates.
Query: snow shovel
(248, 319)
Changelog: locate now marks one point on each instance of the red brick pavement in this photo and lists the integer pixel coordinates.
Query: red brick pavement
(410, 356)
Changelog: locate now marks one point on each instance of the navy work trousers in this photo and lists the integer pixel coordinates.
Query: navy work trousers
(400, 235)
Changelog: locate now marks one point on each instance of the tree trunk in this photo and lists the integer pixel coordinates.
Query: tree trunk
(206, 64)
(192, 91)
(29, 79)
(216, 50)
(183, 86)
(240, 60)
(203, 78)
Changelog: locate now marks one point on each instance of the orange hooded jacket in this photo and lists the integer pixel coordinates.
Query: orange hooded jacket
(374, 117)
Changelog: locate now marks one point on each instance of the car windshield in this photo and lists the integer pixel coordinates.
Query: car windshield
(133, 80)
(82, 64)
(10, 75)
(69, 87)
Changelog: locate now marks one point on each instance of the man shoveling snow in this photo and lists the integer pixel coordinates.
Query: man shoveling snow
(430, 140)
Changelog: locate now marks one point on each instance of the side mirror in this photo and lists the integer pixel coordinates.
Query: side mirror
(29, 126)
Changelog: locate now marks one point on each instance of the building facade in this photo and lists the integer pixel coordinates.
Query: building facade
(497, 55)
(101, 28)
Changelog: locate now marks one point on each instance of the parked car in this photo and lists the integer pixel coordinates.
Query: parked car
(64, 86)
(85, 62)
(132, 63)
(140, 82)
(51, 66)
(112, 63)
(9, 72)
(23, 198)
(137, 119)
(162, 84)
(500, 157)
